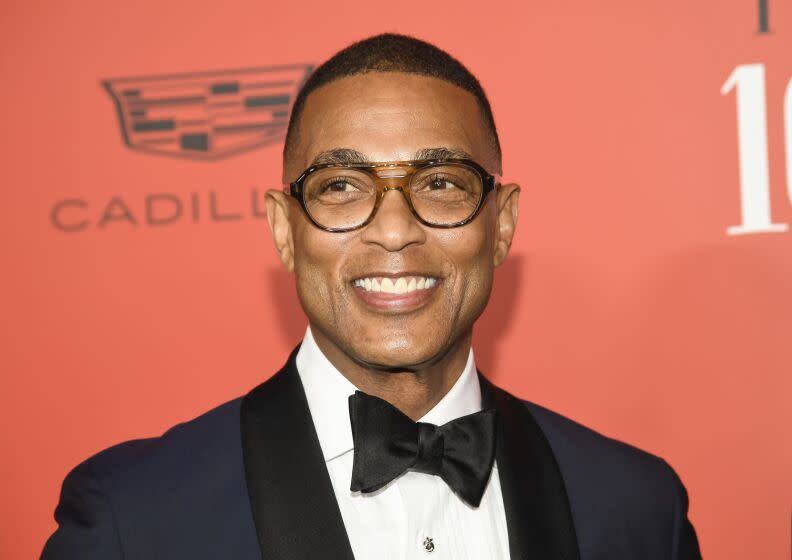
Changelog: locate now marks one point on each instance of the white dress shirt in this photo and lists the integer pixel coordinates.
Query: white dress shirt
(416, 516)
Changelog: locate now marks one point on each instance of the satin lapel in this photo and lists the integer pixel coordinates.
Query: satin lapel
(294, 507)
(538, 515)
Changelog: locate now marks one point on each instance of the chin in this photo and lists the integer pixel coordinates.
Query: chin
(397, 352)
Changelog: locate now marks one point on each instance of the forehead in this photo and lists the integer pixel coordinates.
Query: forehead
(389, 116)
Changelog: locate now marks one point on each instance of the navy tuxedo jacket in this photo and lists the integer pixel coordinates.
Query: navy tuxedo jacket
(247, 481)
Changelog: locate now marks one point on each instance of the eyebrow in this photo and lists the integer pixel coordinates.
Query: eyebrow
(349, 156)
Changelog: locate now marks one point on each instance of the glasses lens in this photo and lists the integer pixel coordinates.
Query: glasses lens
(338, 197)
(446, 193)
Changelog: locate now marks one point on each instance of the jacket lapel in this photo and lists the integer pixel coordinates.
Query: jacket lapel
(292, 499)
(538, 514)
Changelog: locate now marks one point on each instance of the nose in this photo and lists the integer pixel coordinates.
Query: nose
(394, 227)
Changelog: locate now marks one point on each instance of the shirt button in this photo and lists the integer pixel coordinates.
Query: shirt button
(428, 544)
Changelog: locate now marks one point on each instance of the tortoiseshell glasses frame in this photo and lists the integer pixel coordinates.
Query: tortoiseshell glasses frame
(385, 177)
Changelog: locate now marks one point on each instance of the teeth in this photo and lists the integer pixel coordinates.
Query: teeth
(402, 285)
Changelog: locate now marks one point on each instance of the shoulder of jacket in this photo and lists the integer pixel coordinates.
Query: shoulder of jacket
(187, 442)
(601, 456)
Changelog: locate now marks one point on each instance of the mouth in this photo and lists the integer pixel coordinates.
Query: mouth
(395, 293)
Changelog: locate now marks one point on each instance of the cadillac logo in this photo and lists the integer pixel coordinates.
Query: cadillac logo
(206, 115)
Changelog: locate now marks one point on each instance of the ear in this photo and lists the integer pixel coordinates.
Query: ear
(278, 219)
(507, 200)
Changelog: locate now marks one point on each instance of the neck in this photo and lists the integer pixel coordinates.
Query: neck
(414, 391)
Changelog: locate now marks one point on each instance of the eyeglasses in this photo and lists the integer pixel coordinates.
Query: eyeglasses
(441, 193)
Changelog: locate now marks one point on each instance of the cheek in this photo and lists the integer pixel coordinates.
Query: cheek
(318, 258)
(473, 245)
(471, 249)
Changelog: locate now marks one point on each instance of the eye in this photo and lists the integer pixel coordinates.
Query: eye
(437, 184)
(441, 182)
(338, 185)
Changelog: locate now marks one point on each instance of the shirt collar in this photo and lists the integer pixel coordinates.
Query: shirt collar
(328, 391)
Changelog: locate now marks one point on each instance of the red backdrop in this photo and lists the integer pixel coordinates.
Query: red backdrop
(627, 304)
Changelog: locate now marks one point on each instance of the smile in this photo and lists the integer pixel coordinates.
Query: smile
(395, 294)
(400, 285)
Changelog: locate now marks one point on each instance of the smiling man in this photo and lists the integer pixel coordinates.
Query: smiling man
(379, 439)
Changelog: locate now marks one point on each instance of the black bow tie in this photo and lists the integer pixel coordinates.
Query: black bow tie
(387, 443)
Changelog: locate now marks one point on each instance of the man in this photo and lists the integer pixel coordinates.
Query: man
(378, 438)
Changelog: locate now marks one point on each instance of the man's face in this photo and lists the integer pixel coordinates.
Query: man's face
(390, 117)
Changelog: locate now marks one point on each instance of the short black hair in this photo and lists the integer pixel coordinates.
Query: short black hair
(391, 52)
